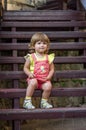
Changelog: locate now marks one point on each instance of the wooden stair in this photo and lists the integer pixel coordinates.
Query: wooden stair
(65, 29)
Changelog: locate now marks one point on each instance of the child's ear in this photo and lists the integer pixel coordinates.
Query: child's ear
(28, 45)
(33, 47)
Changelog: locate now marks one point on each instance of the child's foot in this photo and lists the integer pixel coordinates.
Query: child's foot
(28, 104)
(46, 105)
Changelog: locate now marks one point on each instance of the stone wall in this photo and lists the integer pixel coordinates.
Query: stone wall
(24, 4)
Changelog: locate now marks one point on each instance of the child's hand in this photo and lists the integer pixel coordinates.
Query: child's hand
(48, 78)
(31, 75)
(45, 79)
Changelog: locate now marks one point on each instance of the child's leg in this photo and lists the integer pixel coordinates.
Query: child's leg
(46, 87)
(45, 95)
(32, 84)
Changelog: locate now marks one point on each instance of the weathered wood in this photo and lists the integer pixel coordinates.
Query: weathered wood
(58, 74)
(41, 24)
(53, 46)
(56, 92)
(52, 35)
(58, 60)
(44, 15)
(21, 114)
(70, 74)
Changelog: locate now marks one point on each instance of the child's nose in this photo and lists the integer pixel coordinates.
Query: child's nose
(42, 43)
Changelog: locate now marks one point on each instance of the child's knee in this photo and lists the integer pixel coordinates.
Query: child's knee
(48, 86)
(33, 82)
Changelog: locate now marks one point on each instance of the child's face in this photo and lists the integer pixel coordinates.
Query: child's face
(41, 47)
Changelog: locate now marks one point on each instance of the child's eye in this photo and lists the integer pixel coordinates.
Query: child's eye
(39, 43)
(44, 43)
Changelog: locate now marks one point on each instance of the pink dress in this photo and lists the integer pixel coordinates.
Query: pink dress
(41, 69)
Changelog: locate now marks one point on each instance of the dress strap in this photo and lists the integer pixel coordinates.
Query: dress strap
(34, 57)
(47, 57)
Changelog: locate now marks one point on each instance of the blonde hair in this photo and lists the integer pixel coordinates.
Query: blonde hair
(39, 36)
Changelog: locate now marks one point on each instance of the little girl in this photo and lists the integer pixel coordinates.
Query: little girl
(39, 68)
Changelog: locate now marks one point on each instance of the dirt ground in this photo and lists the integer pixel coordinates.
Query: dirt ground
(56, 124)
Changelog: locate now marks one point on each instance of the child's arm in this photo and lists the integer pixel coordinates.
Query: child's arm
(26, 69)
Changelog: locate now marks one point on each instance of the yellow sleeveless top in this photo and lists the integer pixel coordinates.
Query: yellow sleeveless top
(28, 56)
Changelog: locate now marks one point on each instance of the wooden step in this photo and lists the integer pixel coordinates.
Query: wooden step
(56, 92)
(54, 46)
(44, 15)
(57, 60)
(41, 24)
(55, 113)
(51, 35)
(65, 74)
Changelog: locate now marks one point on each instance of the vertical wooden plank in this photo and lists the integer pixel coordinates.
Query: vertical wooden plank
(15, 102)
(84, 55)
(15, 68)
(16, 125)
